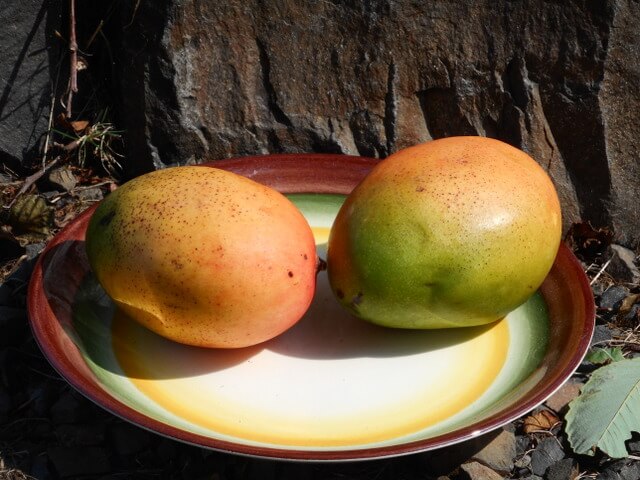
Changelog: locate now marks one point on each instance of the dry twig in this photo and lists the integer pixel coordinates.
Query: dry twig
(73, 62)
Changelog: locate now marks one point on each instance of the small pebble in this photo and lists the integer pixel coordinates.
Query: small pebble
(559, 400)
(622, 266)
(499, 453)
(564, 469)
(477, 471)
(67, 409)
(91, 195)
(34, 249)
(128, 439)
(546, 454)
(523, 462)
(612, 296)
(62, 179)
(76, 461)
(601, 335)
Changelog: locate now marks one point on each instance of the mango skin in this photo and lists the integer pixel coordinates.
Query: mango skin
(203, 256)
(451, 233)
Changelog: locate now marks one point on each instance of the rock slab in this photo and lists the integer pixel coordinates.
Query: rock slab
(26, 76)
(210, 80)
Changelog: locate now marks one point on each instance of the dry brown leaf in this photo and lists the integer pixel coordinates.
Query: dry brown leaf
(628, 302)
(79, 126)
(543, 420)
(588, 242)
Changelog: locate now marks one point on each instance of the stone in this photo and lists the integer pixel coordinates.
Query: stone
(608, 475)
(623, 267)
(62, 179)
(561, 398)
(67, 409)
(612, 296)
(444, 460)
(619, 109)
(82, 434)
(90, 195)
(41, 469)
(26, 66)
(44, 395)
(523, 444)
(565, 469)
(5, 402)
(128, 439)
(76, 461)
(522, 462)
(6, 295)
(622, 469)
(546, 454)
(10, 248)
(13, 325)
(601, 335)
(477, 471)
(633, 445)
(631, 471)
(500, 453)
(371, 78)
(34, 249)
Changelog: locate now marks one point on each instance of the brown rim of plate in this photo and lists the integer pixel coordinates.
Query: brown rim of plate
(566, 291)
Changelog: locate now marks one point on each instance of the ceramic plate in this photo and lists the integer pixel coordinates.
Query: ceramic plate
(332, 387)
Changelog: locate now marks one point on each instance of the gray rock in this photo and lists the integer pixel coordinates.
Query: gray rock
(608, 475)
(10, 248)
(6, 295)
(623, 267)
(76, 461)
(564, 395)
(546, 454)
(633, 445)
(612, 296)
(523, 462)
(128, 439)
(372, 78)
(34, 249)
(41, 469)
(477, 471)
(5, 402)
(601, 334)
(25, 82)
(62, 179)
(13, 325)
(83, 434)
(631, 471)
(91, 195)
(523, 444)
(500, 453)
(67, 409)
(444, 460)
(622, 469)
(562, 470)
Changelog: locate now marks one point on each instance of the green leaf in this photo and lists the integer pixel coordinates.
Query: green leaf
(607, 411)
(601, 356)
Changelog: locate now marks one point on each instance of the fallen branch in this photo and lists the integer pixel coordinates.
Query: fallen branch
(73, 62)
(31, 179)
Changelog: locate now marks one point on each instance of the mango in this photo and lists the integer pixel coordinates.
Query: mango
(451, 233)
(203, 256)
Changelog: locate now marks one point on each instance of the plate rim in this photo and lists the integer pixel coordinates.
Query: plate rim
(280, 169)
